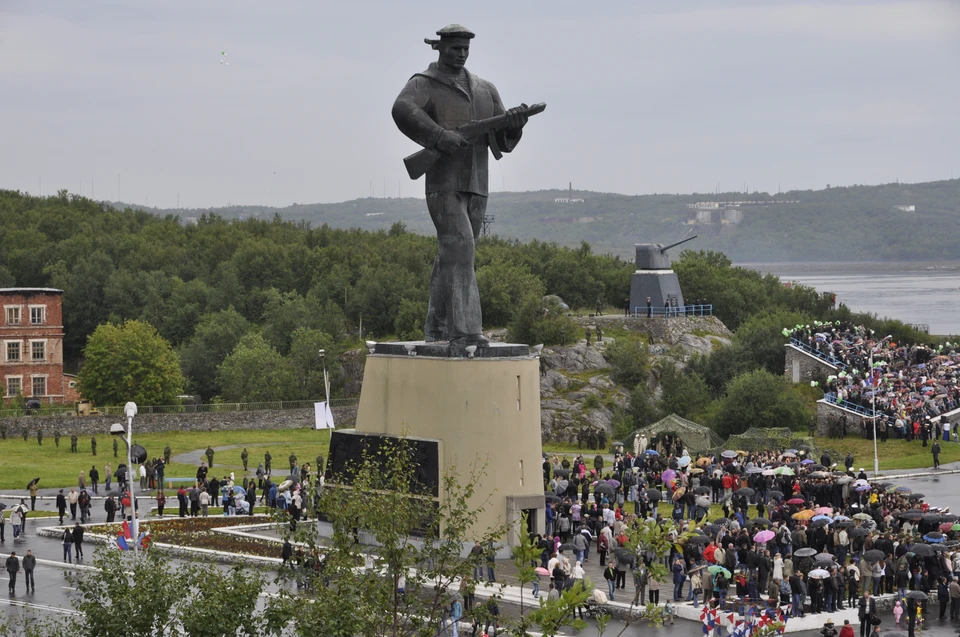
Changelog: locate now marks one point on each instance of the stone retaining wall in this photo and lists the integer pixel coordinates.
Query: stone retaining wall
(801, 367)
(827, 412)
(68, 424)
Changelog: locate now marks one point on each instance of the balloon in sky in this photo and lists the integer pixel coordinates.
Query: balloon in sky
(223, 54)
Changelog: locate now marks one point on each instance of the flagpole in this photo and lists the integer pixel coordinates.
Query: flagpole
(876, 387)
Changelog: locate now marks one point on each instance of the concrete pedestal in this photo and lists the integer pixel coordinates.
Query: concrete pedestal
(479, 411)
(659, 285)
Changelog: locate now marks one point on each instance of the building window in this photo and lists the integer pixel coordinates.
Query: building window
(38, 315)
(38, 350)
(13, 315)
(39, 385)
(13, 350)
(13, 385)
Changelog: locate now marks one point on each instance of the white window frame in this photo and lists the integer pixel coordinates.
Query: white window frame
(38, 360)
(46, 388)
(6, 357)
(6, 385)
(6, 314)
(43, 314)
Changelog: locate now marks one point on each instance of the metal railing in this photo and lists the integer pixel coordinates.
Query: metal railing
(117, 410)
(680, 311)
(831, 397)
(813, 352)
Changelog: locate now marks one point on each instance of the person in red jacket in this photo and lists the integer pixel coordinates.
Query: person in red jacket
(847, 629)
(709, 553)
(727, 482)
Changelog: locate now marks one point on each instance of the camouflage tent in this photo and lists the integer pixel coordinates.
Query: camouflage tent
(769, 438)
(695, 437)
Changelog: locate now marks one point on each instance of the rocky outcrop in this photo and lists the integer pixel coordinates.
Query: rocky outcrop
(576, 391)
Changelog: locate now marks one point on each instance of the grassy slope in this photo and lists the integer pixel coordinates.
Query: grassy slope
(894, 454)
(57, 467)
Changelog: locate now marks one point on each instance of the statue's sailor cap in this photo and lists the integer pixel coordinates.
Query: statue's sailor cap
(450, 32)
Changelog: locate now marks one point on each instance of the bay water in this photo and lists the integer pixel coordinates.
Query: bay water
(912, 292)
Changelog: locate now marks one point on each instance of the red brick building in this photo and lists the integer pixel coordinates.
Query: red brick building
(31, 358)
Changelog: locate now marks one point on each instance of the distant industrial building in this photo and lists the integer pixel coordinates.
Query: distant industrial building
(569, 198)
(906, 208)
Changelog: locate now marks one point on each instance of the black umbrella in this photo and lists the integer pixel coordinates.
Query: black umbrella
(550, 497)
(912, 514)
(843, 524)
(775, 495)
(816, 467)
(805, 552)
(568, 547)
(816, 524)
(702, 490)
(746, 492)
(920, 595)
(713, 529)
(33, 482)
(625, 555)
(2, 506)
(761, 521)
(561, 472)
(654, 495)
(674, 464)
(916, 496)
(138, 454)
(931, 518)
(939, 548)
(699, 539)
(858, 532)
(921, 550)
(949, 517)
(604, 488)
(873, 555)
(824, 558)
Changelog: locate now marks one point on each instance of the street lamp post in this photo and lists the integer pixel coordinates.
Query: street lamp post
(326, 381)
(130, 409)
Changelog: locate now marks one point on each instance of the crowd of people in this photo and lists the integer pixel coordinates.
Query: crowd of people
(910, 387)
(795, 533)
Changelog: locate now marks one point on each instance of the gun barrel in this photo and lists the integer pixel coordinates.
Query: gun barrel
(674, 245)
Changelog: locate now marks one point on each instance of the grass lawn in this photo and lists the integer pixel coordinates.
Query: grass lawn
(894, 454)
(57, 467)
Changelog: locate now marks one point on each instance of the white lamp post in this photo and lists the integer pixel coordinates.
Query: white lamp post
(130, 409)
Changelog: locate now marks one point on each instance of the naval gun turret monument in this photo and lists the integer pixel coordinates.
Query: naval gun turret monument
(654, 278)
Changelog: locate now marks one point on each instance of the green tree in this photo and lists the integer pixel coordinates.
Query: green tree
(256, 372)
(503, 287)
(127, 599)
(761, 399)
(215, 337)
(759, 342)
(682, 393)
(629, 359)
(642, 409)
(307, 366)
(411, 316)
(130, 362)
(538, 321)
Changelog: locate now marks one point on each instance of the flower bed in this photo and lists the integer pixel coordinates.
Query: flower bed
(201, 533)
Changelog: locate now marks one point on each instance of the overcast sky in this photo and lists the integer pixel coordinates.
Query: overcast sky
(642, 97)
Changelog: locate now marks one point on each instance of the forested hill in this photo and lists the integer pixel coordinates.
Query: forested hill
(856, 223)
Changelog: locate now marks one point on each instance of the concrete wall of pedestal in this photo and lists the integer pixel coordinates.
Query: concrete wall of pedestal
(484, 412)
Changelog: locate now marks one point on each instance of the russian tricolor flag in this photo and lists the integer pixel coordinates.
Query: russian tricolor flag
(125, 534)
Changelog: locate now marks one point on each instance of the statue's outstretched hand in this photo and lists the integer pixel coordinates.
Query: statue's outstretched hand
(516, 117)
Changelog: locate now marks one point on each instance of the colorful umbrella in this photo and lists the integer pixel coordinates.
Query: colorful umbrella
(716, 568)
(796, 500)
(764, 536)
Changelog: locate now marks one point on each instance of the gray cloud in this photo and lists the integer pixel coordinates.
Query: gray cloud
(643, 96)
